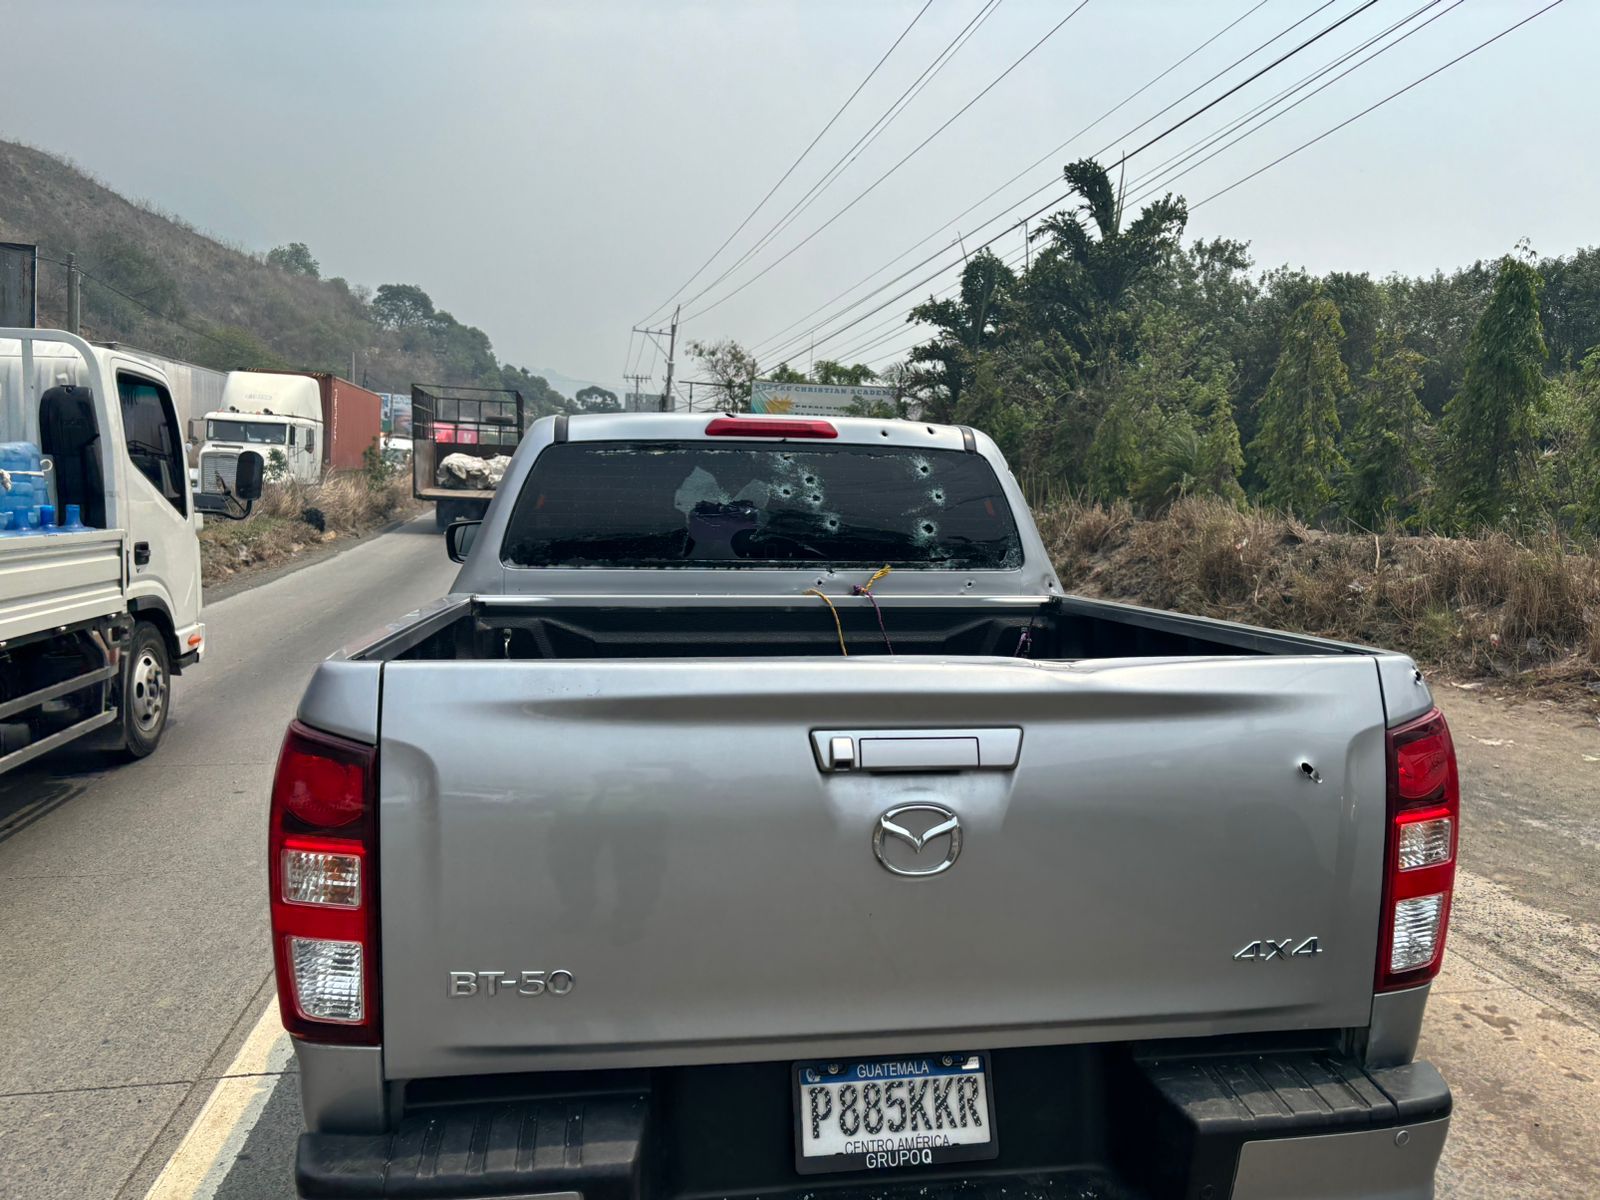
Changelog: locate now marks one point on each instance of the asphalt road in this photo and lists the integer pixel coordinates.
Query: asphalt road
(133, 973)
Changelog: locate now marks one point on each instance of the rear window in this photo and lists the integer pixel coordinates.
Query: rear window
(689, 504)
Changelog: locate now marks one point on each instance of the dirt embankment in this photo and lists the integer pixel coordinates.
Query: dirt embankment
(292, 519)
(1487, 610)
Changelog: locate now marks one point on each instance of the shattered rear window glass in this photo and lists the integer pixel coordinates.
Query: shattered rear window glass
(689, 504)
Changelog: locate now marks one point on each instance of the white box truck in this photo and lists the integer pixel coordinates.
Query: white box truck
(99, 553)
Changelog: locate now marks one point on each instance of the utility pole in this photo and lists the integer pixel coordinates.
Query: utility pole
(671, 334)
(638, 382)
(667, 401)
(1027, 253)
(74, 295)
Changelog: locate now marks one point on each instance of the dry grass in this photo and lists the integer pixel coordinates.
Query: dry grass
(1488, 607)
(279, 528)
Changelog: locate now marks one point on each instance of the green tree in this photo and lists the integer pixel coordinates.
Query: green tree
(1221, 458)
(229, 348)
(597, 399)
(731, 368)
(1489, 425)
(826, 370)
(1588, 404)
(784, 373)
(296, 259)
(402, 306)
(1083, 280)
(1570, 305)
(125, 284)
(1296, 453)
(1567, 481)
(1386, 445)
(965, 325)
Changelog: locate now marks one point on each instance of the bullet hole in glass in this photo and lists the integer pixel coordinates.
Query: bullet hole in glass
(786, 491)
(810, 481)
(814, 498)
(831, 524)
(937, 495)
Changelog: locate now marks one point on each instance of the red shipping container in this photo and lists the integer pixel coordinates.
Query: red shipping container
(352, 420)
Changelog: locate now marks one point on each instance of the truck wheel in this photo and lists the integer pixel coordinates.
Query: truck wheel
(146, 690)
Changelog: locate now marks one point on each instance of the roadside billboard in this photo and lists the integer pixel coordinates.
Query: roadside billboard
(396, 413)
(820, 399)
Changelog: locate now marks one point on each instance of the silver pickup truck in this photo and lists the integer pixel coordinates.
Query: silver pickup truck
(758, 817)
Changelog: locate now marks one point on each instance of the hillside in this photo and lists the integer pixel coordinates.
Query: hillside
(155, 282)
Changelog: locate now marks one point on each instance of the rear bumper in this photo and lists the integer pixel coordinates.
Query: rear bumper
(1073, 1121)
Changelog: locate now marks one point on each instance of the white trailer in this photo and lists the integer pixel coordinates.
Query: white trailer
(99, 556)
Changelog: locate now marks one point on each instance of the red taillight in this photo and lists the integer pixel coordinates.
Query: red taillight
(1419, 867)
(322, 870)
(769, 427)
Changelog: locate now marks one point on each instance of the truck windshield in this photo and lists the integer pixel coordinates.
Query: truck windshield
(689, 504)
(257, 433)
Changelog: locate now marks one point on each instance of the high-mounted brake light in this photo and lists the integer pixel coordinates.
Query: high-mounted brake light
(322, 847)
(1420, 855)
(769, 427)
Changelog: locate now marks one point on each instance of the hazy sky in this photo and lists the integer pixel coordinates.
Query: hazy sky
(551, 171)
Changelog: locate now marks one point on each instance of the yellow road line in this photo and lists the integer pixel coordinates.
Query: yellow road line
(201, 1161)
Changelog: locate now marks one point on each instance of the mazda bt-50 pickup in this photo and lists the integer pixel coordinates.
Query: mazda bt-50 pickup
(758, 816)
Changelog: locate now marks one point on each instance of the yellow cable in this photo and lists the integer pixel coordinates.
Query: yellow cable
(879, 574)
(837, 624)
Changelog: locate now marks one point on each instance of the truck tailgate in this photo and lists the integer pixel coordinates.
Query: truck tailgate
(668, 833)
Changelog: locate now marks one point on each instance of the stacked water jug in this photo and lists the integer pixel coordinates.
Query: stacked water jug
(26, 507)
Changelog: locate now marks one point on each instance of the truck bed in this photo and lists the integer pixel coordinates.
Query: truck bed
(51, 580)
(735, 626)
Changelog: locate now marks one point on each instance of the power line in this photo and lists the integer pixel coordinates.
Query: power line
(1370, 108)
(1030, 167)
(1172, 177)
(1196, 147)
(792, 166)
(843, 162)
(1378, 104)
(168, 317)
(1257, 75)
(1282, 58)
(916, 150)
(862, 146)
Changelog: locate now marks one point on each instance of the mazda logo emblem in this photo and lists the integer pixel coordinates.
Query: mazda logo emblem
(943, 831)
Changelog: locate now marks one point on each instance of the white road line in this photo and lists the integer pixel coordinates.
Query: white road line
(201, 1161)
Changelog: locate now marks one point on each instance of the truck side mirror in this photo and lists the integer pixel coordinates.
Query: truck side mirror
(458, 539)
(247, 477)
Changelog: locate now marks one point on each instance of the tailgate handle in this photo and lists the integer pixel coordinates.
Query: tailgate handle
(917, 749)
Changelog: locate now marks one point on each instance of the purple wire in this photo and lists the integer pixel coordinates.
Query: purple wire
(867, 592)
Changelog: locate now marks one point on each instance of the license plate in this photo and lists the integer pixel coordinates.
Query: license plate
(867, 1114)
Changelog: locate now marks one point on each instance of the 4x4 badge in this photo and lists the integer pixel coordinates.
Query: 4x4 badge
(1266, 950)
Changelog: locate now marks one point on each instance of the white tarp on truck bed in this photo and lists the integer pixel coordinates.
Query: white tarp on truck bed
(469, 472)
